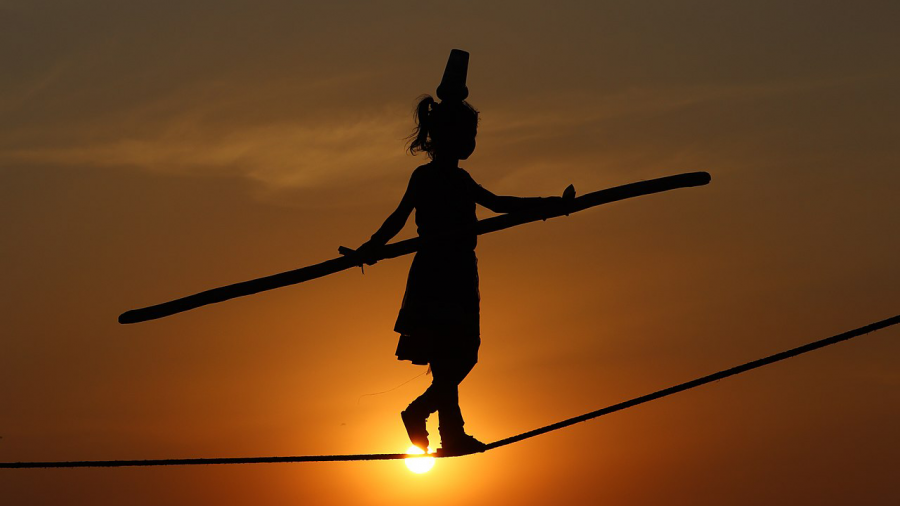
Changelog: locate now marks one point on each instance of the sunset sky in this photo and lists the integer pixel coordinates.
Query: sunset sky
(152, 151)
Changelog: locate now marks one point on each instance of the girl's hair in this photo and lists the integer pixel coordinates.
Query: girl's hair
(441, 120)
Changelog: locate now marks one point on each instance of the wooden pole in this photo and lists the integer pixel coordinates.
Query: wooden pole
(408, 246)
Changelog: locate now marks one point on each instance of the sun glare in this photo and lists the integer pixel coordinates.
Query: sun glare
(418, 465)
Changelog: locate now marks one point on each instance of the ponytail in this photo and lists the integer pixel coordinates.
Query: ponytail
(442, 120)
(420, 140)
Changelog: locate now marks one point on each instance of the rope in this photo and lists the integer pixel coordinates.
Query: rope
(771, 359)
(195, 462)
(496, 444)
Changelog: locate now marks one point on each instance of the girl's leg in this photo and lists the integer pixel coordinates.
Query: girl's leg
(448, 369)
(426, 403)
(442, 396)
(448, 373)
(415, 415)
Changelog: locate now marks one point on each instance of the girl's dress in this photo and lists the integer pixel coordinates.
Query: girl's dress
(439, 316)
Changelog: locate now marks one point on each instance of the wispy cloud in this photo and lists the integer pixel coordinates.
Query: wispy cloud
(546, 114)
(280, 155)
(328, 150)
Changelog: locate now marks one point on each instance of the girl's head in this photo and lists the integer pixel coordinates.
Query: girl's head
(444, 130)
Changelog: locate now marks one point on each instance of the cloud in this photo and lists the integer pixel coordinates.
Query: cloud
(283, 154)
(188, 133)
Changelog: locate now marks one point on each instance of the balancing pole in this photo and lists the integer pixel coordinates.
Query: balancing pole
(408, 246)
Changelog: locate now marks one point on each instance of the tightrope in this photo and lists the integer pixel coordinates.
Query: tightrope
(496, 444)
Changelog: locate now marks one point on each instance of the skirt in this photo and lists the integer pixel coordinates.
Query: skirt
(440, 314)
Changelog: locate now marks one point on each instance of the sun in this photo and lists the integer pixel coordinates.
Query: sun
(418, 465)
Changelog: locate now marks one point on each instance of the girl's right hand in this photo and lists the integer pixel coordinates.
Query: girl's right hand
(366, 253)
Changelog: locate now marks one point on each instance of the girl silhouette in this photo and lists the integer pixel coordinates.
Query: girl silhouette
(439, 317)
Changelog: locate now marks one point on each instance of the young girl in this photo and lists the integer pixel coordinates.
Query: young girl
(439, 318)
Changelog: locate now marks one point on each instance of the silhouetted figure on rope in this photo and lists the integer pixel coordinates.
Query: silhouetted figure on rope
(439, 317)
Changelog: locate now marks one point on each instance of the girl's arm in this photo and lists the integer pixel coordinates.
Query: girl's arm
(506, 204)
(394, 223)
(391, 226)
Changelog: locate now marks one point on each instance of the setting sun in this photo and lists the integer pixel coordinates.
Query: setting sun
(418, 465)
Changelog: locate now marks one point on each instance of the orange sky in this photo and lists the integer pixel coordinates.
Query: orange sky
(151, 152)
